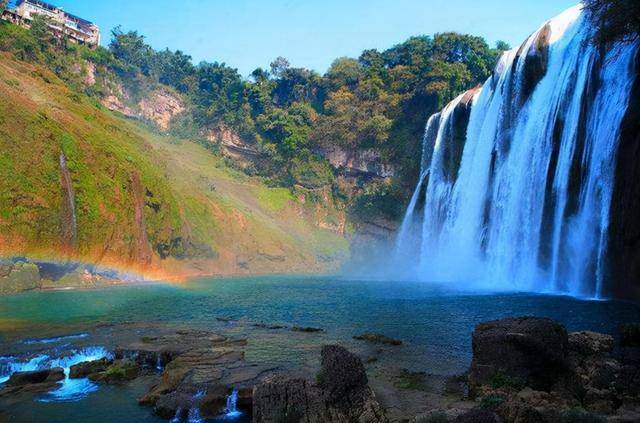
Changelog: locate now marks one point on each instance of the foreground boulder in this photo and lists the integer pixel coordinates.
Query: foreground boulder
(530, 370)
(33, 381)
(36, 376)
(341, 394)
(87, 368)
(527, 350)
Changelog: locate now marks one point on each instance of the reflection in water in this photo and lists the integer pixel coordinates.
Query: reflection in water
(434, 323)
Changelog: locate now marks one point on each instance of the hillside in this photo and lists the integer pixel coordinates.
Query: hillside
(78, 182)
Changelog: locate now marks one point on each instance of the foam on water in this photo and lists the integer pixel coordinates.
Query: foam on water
(528, 208)
(70, 389)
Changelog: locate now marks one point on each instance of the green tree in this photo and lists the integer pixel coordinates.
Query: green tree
(174, 69)
(41, 32)
(130, 49)
(279, 66)
(344, 71)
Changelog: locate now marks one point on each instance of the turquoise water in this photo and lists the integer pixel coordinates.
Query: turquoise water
(434, 322)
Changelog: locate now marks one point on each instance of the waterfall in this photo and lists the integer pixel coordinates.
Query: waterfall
(515, 192)
(69, 222)
(69, 389)
(231, 411)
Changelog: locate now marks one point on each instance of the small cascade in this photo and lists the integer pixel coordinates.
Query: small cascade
(68, 212)
(178, 417)
(193, 413)
(70, 389)
(231, 411)
(516, 192)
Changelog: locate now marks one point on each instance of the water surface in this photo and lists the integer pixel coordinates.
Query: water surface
(434, 322)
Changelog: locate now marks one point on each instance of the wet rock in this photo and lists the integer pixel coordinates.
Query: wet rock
(376, 338)
(588, 377)
(306, 329)
(630, 335)
(172, 405)
(477, 415)
(589, 343)
(624, 229)
(36, 377)
(342, 394)
(119, 371)
(82, 370)
(536, 61)
(268, 326)
(340, 371)
(32, 382)
(528, 349)
(208, 364)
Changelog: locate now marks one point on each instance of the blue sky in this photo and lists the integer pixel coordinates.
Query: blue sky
(247, 34)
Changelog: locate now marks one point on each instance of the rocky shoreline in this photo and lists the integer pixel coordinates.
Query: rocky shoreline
(524, 369)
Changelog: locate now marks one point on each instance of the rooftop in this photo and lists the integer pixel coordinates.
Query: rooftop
(53, 8)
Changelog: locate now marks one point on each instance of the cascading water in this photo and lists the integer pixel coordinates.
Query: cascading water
(516, 193)
(69, 389)
(231, 411)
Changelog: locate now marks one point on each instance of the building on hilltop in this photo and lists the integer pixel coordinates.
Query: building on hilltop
(61, 23)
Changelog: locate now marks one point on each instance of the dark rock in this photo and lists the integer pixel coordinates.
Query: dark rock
(87, 368)
(376, 338)
(268, 326)
(590, 343)
(528, 349)
(282, 399)
(478, 415)
(36, 377)
(306, 329)
(174, 404)
(340, 371)
(630, 335)
(536, 61)
(341, 395)
(623, 280)
(149, 356)
(456, 135)
(215, 401)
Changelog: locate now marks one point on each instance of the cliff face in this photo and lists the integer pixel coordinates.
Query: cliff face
(537, 182)
(366, 163)
(99, 189)
(159, 106)
(624, 242)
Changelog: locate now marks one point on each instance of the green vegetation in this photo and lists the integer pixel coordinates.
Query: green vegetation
(437, 417)
(290, 115)
(617, 20)
(501, 380)
(149, 201)
(415, 381)
(491, 402)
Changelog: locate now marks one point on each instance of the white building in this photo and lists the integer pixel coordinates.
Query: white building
(60, 22)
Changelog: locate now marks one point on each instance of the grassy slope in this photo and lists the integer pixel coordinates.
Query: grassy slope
(210, 218)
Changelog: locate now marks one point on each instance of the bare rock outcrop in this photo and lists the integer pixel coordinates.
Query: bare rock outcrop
(530, 349)
(160, 107)
(530, 370)
(340, 394)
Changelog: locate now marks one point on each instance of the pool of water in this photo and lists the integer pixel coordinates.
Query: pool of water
(434, 322)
